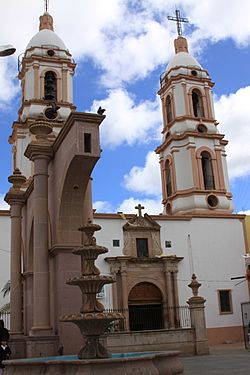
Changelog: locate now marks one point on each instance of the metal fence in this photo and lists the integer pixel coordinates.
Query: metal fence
(141, 318)
(6, 318)
(153, 317)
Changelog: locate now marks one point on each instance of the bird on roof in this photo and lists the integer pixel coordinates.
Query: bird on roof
(101, 111)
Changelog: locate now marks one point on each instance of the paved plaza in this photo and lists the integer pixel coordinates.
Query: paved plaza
(230, 359)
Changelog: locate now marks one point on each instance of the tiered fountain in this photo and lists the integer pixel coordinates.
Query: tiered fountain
(92, 319)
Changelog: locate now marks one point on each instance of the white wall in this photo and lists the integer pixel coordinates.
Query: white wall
(212, 248)
(4, 254)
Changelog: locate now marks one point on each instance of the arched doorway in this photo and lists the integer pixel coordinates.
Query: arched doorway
(145, 307)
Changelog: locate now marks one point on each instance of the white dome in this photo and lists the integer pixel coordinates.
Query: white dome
(46, 37)
(183, 59)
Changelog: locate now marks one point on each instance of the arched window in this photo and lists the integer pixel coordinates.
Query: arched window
(169, 109)
(50, 89)
(197, 104)
(168, 178)
(207, 170)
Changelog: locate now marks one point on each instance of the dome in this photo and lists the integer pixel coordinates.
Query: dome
(46, 37)
(183, 59)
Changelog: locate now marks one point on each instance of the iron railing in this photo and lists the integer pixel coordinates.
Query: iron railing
(5, 316)
(152, 317)
(143, 318)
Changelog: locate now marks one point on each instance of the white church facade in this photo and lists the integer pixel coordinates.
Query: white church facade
(153, 257)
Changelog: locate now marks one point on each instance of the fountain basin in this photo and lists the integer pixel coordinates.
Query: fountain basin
(151, 363)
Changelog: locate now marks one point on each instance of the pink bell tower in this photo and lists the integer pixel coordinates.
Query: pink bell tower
(192, 154)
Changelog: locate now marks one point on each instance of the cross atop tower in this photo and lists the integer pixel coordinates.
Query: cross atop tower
(139, 208)
(46, 5)
(178, 20)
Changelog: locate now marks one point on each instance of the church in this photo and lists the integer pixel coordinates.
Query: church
(153, 257)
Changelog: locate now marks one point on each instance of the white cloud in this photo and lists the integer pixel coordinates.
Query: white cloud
(102, 206)
(152, 206)
(233, 111)
(126, 39)
(3, 204)
(127, 122)
(147, 179)
(247, 212)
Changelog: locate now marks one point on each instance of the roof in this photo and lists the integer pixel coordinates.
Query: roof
(46, 37)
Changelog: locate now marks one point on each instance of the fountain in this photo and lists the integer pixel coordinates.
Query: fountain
(92, 320)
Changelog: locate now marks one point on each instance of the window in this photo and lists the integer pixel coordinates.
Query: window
(116, 243)
(168, 244)
(50, 90)
(197, 104)
(169, 109)
(168, 178)
(207, 170)
(225, 301)
(87, 142)
(142, 247)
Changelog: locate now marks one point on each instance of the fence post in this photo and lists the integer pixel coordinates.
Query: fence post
(198, 322)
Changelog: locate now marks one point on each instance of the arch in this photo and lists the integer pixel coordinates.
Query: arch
(169, 109)
(50, 86)
(145, 305)
(168, 176)
(197, 103)
(207, 170)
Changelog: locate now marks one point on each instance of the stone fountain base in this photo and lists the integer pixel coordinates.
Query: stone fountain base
(161, 363)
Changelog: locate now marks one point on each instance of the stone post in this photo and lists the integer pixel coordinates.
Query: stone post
(40, 152)
(170, 297)
(15, 198)
(198, 322)
(125, 296)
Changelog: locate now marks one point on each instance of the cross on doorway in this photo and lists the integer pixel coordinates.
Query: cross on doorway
(139, 207)
(178, 20)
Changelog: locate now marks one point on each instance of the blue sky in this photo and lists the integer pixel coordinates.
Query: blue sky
(121, 47)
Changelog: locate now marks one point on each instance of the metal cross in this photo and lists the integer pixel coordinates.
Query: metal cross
(139, 208)
(46, 5)
(178, 20)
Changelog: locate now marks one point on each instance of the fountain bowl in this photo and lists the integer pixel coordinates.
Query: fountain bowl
(149, 363)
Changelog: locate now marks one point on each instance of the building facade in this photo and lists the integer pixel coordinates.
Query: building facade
(152, 257)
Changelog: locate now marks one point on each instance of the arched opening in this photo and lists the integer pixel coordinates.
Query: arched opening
(145, 307)
(50, 88)
(169, 109)
(168, 178)
(197, 104)
(207, 170)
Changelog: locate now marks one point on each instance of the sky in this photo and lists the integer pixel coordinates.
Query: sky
(121, 48)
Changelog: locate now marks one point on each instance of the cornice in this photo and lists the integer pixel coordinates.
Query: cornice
(187, 134)
(40, 149)
(166, 82)
(4, 212)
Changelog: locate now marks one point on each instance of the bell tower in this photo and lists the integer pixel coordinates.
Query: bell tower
(46, 72)
(192, 154)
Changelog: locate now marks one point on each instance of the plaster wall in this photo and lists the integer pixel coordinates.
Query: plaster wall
(179, 100)
(184, 174)
(29, 84)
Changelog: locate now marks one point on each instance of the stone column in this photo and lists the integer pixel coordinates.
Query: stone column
(40, 152)
(170, 297)
(198, 322)
(125, 296)
(15, 198)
